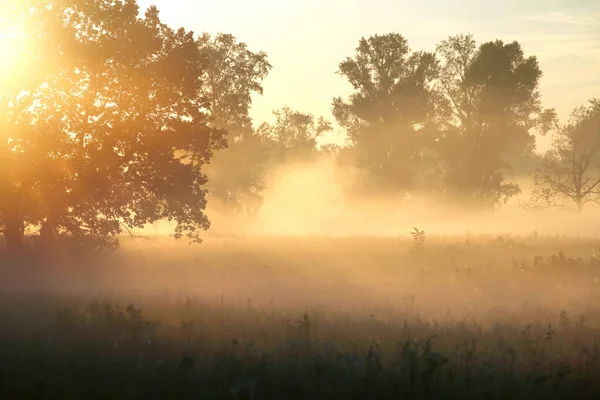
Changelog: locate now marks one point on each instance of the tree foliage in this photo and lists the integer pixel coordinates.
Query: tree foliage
(108, 131)
(569, 177)
(236, 175)
(388, 116)
(293, 136)
(110, 120)
(490, 108)
(232, 75)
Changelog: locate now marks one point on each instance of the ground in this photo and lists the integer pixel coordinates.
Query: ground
(298, 317)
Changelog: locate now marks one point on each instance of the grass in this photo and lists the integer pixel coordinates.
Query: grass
(308, 318)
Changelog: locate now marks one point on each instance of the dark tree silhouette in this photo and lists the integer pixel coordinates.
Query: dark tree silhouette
(388, 116)
(490, 105)
(293, 136)
(232, 74)
(569, 177)
(105, 128)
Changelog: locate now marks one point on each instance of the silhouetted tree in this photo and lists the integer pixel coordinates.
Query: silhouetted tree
(330, 149)
(388, 116)
(293, 136)
(232, 74)
(104, 128)
(237, 175)
(490, 105)
(569, 177)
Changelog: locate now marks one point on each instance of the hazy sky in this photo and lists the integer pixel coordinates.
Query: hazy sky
(307, 39)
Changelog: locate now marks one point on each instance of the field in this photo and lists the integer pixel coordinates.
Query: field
(482, 317)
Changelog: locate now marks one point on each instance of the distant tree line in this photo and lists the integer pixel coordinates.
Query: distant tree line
(115, 121)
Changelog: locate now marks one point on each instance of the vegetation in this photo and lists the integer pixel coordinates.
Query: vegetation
(114, 120)
(293, 136)
(569, 176)
(382, 322)
(393, 102)
(231, 74)
(491, 105)
(106, 130)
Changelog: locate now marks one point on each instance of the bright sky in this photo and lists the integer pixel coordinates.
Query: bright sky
(307, 39)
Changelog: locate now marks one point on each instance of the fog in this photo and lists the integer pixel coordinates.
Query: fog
(313, 245)
(311, 199)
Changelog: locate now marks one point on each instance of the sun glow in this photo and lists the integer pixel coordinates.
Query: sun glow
(13, 45)
(14, 42)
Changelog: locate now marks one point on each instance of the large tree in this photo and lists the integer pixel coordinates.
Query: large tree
(388, 116)
(569, 177)
(232, 75)
(104, 128)
(489, 108)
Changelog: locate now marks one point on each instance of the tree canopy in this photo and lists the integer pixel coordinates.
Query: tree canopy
(569, 177)
(105, 129)
(387, 117)
(490, 106)
(232, 74)
(457, 119)
(293, 136)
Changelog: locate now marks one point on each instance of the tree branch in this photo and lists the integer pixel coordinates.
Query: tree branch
(134, 237)
(559, 187)
(591, 188)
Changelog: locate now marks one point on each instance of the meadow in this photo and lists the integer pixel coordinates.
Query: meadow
(265, 317)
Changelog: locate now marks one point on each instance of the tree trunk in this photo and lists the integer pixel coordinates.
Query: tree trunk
(579, 204)
(13, 234)
(48, 233)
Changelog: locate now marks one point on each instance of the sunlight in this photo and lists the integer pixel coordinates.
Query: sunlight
(13, 44)
(12, 48)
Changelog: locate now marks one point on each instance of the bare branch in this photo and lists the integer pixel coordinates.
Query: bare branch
(134, 237)
(590, 190)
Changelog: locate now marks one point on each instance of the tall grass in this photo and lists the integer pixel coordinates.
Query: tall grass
(483, 318)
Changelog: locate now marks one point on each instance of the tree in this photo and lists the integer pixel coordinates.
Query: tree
(489, 107)
(104, 129)
(293, 136)
(387, 117)
(569, 177)
(236, 175)
(232, 74)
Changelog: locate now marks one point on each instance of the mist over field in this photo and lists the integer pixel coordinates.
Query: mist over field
(312, 199)
(302, 200)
